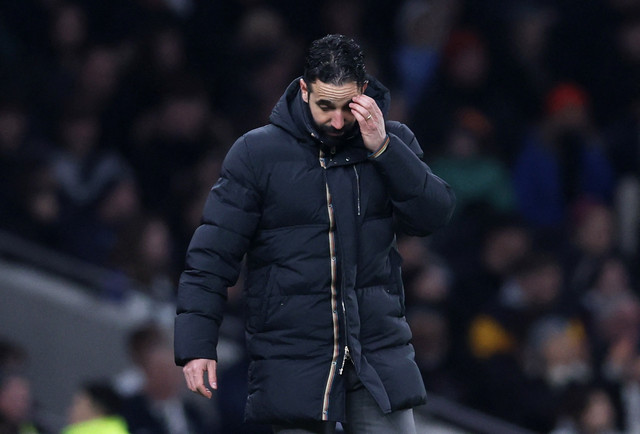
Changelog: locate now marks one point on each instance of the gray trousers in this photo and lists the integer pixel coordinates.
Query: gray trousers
(363, 415)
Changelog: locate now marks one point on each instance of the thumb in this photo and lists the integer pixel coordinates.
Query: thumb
(211, 371)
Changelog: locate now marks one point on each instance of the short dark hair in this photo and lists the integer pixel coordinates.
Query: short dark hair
(103, 396)
(143, 339)
(335, 59)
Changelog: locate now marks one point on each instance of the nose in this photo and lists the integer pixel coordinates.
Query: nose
(337, 120)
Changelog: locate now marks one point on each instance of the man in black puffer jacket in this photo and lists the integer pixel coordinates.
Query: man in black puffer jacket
(314, 200)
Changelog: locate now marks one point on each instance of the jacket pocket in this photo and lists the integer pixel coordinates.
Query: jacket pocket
(257, 301)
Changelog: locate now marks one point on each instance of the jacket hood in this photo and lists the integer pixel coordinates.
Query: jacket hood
(290, 112)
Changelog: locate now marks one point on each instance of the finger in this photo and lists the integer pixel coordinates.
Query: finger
(194, 375)
(368, 104)
(197, 381)
(186, 371)
(360, 117)
(211, 371)
(203, 390)
(364, 118)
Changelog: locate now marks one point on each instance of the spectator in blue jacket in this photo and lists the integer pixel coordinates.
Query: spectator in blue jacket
(562, 161)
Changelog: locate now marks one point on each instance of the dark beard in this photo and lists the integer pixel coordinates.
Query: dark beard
(331, 141)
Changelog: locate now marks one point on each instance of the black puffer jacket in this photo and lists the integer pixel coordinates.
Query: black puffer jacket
(318, 226)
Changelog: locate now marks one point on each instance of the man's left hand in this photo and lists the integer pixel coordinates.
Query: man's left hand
(371, 121)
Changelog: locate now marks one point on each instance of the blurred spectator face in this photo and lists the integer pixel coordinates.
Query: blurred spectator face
(69, 28)
(564, 348)
(431, 284)
(168, 50)
(277, 71)
(414, 253)
(421, 23)
(80, 134)
(629, 41)
(563, 351)
(155, 246)
(599, 416)
(595, 232)
(42, 201)
(343, 17)
(619, 318)
(542, 286)
(184, 117)
(467, 60)
(571, 118)
(99, 75)
(613, 278)
(13, 128)
(15, 399)
(472, 130)
(530, 32)
(264, 41)
(505, 246)
(462, 144)
(121, 203)
(163, 377)
(261, 27)
(567, 107)
(82, 408)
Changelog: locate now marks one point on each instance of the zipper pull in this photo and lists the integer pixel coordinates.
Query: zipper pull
(355, 170)
(345, 358)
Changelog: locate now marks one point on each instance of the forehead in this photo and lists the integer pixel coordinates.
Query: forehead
(332, 92)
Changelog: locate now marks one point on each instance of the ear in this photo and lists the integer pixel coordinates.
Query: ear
(304, 89)
(364, 86)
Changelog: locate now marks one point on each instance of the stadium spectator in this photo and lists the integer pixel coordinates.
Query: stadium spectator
(143, 254)
(480, 179)
(440, 363)
(592, 240)
(464, 79)
(95, 409)
(587, 409)
(159, 404)
(562, 161)
(16, 395)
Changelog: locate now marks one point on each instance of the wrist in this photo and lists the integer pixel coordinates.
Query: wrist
(383, 147)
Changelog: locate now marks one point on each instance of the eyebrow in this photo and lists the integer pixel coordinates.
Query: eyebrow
(330, 103)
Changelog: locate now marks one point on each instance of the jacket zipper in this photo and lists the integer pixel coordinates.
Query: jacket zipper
(347, 356)
(334, 298)
(355, 169)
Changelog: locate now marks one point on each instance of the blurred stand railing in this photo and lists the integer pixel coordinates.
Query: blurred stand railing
(464, 418)
(15, 248)
(52, 305)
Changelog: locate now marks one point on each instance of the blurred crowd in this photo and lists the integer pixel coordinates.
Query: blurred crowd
(115, 117)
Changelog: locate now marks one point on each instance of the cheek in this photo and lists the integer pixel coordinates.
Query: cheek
(319, 116)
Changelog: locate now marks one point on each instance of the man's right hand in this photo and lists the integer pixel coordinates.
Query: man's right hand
(194, 374)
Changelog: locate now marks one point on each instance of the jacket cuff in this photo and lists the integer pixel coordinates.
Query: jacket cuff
(381, 149)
